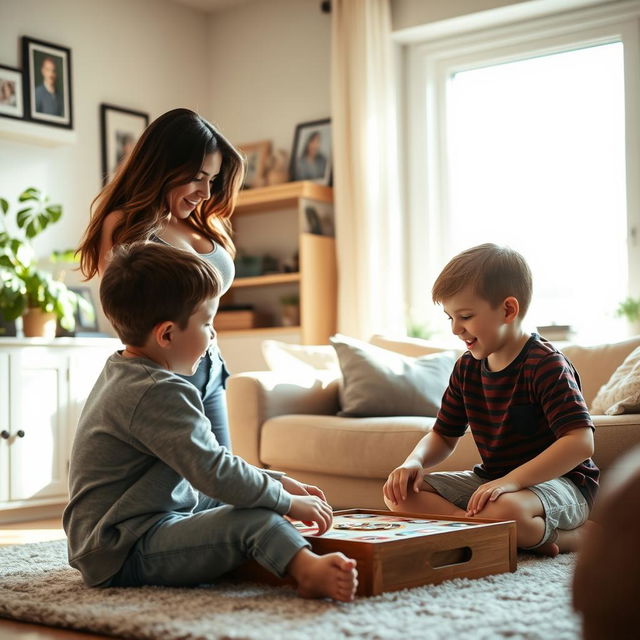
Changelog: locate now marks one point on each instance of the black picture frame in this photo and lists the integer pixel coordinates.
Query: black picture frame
(120, 129)
(11, 93)
(318, 167)
(47, 65)
(86, 318)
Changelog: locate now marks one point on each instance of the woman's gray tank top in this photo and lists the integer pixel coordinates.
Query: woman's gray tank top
(218, 257)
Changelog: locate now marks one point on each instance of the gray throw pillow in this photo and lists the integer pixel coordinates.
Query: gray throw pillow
(377, 382)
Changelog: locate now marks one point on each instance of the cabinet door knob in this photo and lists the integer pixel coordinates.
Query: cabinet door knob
(5, 434)
(20, 433)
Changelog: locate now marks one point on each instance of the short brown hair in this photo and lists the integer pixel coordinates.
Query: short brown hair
(494, 271)
(146, 283)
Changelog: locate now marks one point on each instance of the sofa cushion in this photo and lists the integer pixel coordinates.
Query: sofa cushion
(295, 358)
(416, 347)
(378, 382)
(596, 364)
(353, 447)
(621, 394)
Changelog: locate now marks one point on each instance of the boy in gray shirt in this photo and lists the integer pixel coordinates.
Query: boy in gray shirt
(154, 499)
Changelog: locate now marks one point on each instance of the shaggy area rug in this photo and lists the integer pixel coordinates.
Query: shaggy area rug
(37, 585)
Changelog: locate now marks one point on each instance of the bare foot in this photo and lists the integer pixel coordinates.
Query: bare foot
(328, 576)
(563, 541)
(550, 549)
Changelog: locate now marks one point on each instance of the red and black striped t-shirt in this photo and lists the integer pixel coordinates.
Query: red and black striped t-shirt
(517, 413)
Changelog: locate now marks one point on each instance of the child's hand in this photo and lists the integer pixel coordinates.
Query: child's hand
(489, 492)
(311, 509)
(408, 474)
(297, 488)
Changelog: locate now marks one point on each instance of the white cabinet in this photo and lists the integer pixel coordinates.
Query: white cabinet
(43, 386)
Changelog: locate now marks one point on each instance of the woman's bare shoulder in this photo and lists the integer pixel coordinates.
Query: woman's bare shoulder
(113, 218)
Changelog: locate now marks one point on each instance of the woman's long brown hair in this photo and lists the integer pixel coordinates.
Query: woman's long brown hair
(169, 153)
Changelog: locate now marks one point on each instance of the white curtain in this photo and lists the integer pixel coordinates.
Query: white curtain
(366, 192)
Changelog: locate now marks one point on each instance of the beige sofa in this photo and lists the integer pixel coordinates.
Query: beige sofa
(289, 422)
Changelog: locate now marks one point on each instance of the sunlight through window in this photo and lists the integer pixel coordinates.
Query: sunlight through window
(536, 160)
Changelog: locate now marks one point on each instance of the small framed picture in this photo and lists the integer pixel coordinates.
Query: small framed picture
(11, 103)
(47, 82)
(86, 317)
(311, 153)
(120, 129)
(256, 154)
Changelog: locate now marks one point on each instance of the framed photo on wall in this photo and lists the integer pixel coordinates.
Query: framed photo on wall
(311, 153)
(47, 82)
(256, 154)
(120, 129)
(11, 102)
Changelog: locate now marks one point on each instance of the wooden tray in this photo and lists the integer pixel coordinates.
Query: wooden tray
(420, 549)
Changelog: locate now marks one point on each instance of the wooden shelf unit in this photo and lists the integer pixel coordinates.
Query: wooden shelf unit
(281, 196)
(316, 281)
(271, 279)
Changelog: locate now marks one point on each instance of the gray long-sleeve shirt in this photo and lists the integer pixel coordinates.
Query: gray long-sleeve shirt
(143, 449)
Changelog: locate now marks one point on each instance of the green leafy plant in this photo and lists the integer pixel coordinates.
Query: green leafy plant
(22, 284)
(629, 308)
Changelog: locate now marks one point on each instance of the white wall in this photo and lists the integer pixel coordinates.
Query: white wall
(147, 55)
(270, 69)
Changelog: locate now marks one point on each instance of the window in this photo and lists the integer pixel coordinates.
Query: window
(524, 143)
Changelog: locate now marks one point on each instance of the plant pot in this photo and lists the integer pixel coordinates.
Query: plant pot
(39, 324)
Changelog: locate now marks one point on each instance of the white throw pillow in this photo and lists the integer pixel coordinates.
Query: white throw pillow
(622, 393)
(285, 357)
(377, 382)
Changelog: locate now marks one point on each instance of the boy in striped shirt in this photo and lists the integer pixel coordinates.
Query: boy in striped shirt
(521, 399)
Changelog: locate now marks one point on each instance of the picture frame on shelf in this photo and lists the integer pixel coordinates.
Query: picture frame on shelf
(120, 129)
(11, 93)
(256, 155)
(86, 316)
(311, 152)
(47, 82)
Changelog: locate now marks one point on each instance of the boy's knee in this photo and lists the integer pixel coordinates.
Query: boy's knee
(507, 507)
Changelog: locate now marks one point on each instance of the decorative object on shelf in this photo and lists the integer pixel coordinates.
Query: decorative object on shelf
(629, 309)
(311, 152)
(256, 155)
(24, 287)
(318, 219)
(556, 331)
(8, 328)
(290, 309)
(278, 167)
(120, 129)
(247, 266)
(313, 220)
(269, 264)
(235, 317)
(293, 265)
(86, 319)
(47, 82)
(11, 101)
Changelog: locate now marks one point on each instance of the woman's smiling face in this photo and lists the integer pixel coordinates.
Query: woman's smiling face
(184, 199)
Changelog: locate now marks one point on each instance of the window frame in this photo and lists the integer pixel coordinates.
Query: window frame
(426, 67)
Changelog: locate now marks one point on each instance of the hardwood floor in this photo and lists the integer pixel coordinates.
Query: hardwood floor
(24, 533)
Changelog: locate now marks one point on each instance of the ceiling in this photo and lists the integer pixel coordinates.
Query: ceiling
(210, 6)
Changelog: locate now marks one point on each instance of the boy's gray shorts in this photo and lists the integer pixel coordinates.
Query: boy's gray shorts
(564, 506)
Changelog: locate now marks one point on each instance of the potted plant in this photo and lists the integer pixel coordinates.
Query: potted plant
(26, 290)
(629, 308)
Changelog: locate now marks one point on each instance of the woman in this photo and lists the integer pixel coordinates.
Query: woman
(178, 186)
